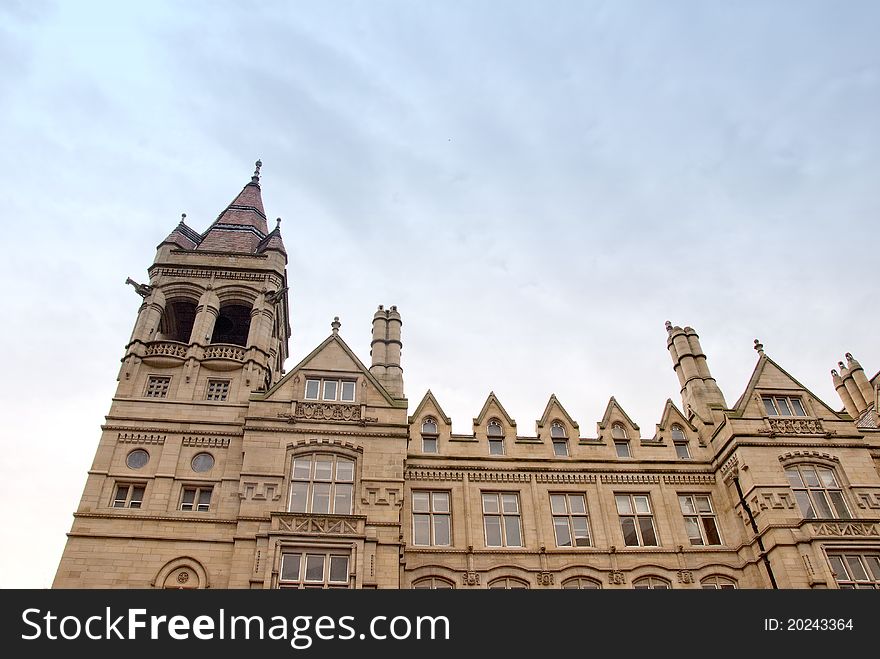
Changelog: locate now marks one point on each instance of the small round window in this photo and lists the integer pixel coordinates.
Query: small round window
(203, 462)
(137, 459)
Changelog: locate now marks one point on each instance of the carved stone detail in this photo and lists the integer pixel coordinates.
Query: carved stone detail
(381, 496)
(685, 576)
(470, 578)
(616, 577)
(544, 578)
(867, 499)
(796, 455)
(776, 500)
(260, 491)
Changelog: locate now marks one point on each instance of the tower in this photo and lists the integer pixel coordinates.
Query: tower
(699, 391)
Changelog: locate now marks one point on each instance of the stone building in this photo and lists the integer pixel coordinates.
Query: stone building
(216, 469)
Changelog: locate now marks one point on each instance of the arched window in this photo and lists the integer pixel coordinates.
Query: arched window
(651, 583)
(321, 484)
(817, 492)
(233, 324)
(433, 583)
(496, 437)
(429, 435)
(621, 440)
(560, 439)
(177, 320)
(681, 443)
(508, 583)
(717, 582)
(581, 583)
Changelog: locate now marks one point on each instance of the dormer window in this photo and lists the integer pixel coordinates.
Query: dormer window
(621, 440)
(783, 406)
(429, 436)
(560, 440)
(496, 438)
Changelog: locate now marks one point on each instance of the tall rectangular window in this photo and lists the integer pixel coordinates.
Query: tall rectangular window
(196, 498)
(501, 519)
(570, 521)
(496, 446)
(217, 390)
(157, 386)
(636, 520)
(314, 569)
(321, 484)
(128, 495)
(817, 492)
(431, 519)
(699, 519)
(560, 448)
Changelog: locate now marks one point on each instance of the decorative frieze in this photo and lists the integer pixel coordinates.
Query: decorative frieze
(808, 455)
(499, 477)
(796, 426)
(763, 500)
(318, 525)
(320, 411)
(197, 273)
(867, 499)
(623, 479)
(432, 475)
(844, 529)
(689, 479)
(140, 438)
(205, 442)
(565, 478)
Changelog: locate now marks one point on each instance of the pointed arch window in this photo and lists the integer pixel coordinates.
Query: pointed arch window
(429, 435)
(496, 437)
(679, 439)
(621, 440)
(559, 437)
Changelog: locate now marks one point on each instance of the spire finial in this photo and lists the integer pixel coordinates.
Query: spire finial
(277, 222)
(256, 177)
(336, 325)
(668, 326)
(759, 347)
(183, 218)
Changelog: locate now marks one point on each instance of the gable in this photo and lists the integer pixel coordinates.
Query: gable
(671, 416)
(332, 357)
(552, 412)
(615, 413)
(429, 406)
(493, 408)
(769, 377)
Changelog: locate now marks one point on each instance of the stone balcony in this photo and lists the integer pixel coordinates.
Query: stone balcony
(223, 357)
(165, 354)
(317, 525)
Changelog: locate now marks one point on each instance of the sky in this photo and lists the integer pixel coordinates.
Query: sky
(537, 186)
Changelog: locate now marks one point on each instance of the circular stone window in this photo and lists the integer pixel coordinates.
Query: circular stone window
(137, 459)
(203, 462)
